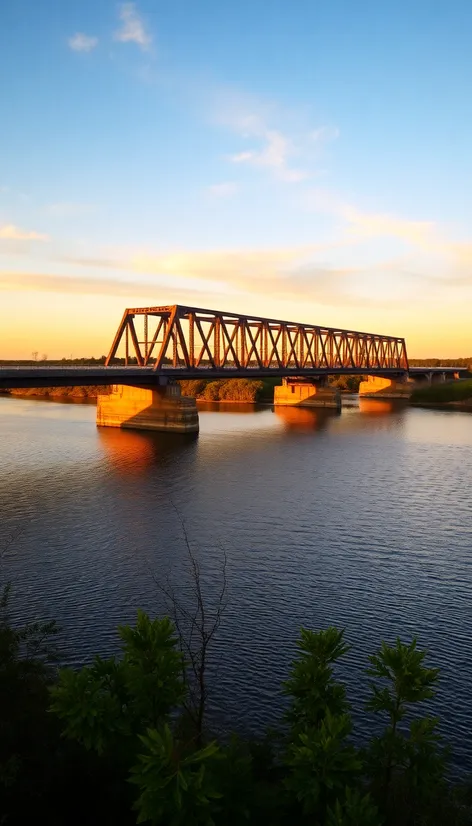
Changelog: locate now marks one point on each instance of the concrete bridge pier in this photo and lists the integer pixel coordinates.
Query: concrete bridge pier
(161, 408)
(387, 388)
(300, 393)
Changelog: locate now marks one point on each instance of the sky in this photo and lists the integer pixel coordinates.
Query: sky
(307, 160)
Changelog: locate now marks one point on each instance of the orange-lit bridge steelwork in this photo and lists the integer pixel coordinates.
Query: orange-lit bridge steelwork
(159, 345)
(193, 341)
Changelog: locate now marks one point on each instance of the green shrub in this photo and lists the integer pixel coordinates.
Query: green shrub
(129, 751)
(237, 390)
(192, 387)
(106, 706)
(450, 391)
(247, 390)
(211, 391)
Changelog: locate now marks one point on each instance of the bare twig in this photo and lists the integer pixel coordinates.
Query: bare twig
(196, 628)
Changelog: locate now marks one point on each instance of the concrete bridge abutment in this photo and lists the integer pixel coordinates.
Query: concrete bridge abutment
(299, 393)
(162, 408)
(387, 388)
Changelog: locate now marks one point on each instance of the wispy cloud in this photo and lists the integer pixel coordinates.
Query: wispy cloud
(376, 225)
(81, 42)
(283, 273)
(283, 143)
(305, 284)
(239, 268)
(10, 232)
(361, 226)
(274, 154)
(132, 29)
(76, 285)
(223, 190)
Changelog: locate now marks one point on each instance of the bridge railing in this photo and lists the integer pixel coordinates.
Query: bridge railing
(190, 337)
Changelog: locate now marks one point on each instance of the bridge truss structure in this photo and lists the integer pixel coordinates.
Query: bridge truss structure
(195, 340)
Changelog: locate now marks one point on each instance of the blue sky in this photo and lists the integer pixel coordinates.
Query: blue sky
(305, 160)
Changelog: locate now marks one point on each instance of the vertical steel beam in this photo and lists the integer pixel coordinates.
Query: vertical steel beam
(217, 342)
(175, 353)
(155, 336)
(191, 338)
(284, 345)
(242, 330)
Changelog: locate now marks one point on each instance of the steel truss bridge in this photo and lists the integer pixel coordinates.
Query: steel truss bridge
(194, 341)
(158, 344)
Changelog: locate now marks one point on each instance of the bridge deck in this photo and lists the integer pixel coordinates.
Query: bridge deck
(28, 377)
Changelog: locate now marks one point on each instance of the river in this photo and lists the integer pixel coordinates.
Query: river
(362, 520)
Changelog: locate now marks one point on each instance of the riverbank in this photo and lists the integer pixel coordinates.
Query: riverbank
(456, 395)
(225, 390)
(451, 394)
(87, 392)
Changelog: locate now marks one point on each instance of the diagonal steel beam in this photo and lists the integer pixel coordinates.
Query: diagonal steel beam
(166, 340)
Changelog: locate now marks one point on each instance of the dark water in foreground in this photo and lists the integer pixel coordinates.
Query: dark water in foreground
(362, 520)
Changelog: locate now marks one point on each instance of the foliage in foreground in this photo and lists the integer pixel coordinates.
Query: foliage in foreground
(129, 746)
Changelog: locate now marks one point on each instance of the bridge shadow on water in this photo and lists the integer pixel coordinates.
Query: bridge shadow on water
(230, 407)
(135, 451)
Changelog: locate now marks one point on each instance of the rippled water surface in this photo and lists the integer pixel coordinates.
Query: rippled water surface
(362, 520)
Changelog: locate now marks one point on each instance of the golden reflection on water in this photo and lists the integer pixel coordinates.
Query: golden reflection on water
(377, 407)
(303, 418)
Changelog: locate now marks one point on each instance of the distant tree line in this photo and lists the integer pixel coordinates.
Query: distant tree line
(460, 362)
(37, 359)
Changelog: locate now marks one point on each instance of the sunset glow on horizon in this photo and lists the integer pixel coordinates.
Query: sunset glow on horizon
(307, 162)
